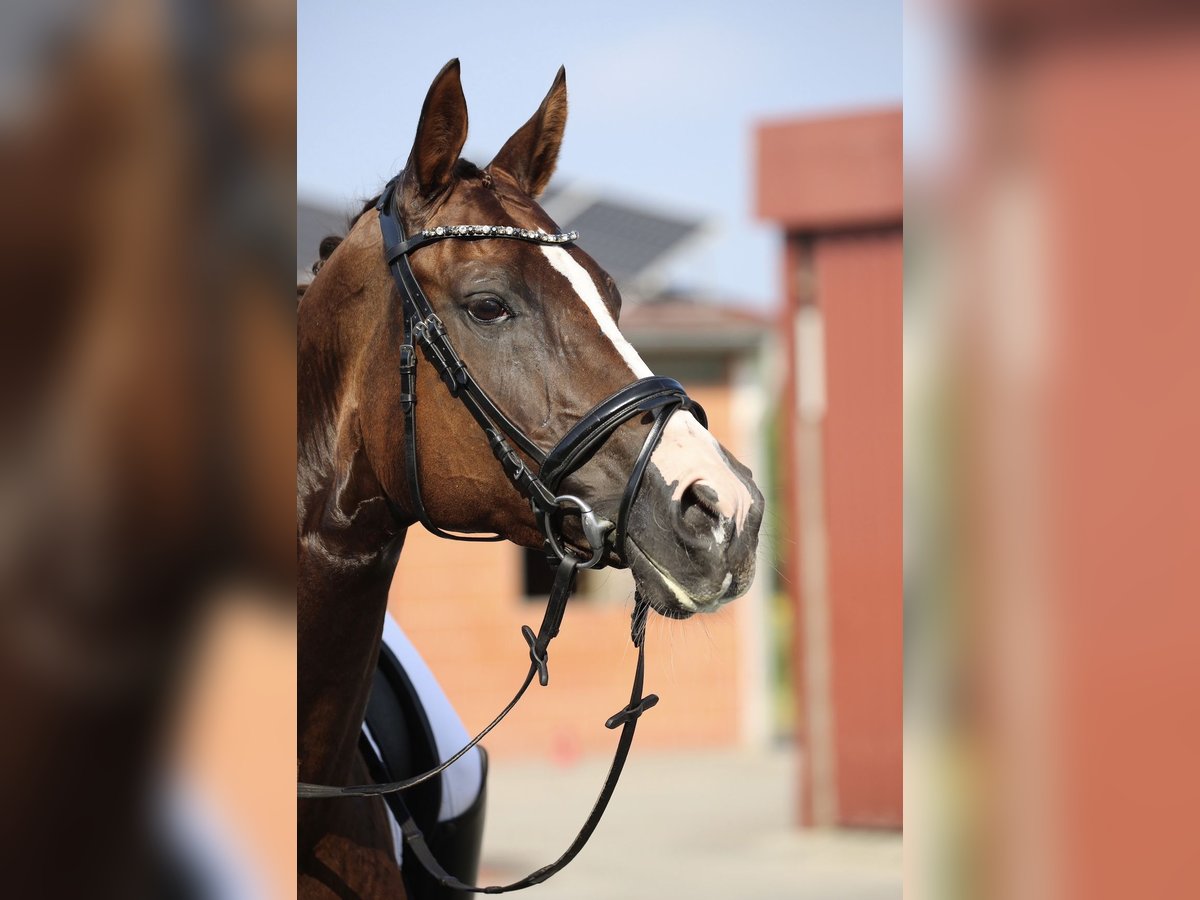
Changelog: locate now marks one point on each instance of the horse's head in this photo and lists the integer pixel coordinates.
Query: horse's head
(536, 326)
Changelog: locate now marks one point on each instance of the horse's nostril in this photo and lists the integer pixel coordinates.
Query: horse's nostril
(701, 497)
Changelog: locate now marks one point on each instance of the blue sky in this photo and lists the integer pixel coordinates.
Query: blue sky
(663, 98)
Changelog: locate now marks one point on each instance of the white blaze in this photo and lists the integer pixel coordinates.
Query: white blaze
(687, 453)
(582, 282)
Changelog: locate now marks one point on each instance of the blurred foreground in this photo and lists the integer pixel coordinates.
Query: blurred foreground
(1052, 406)
(146, 446)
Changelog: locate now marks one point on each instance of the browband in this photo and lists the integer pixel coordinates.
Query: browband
(429, 235)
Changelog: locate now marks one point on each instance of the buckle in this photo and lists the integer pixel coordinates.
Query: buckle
(408, 357)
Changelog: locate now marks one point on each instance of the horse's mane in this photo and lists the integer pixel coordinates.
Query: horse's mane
(462, 169)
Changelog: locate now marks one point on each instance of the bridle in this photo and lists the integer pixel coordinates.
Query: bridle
(654, 396)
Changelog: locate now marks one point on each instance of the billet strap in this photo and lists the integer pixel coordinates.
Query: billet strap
(539, 644)
(625, 719)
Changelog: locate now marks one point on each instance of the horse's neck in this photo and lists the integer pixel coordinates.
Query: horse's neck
(349, 542)
(341, 608)
(340, 621)
(348, 546)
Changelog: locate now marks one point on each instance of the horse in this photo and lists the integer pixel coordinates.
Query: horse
(521, 352)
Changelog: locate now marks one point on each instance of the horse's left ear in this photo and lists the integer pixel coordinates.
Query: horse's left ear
(531, 154)
(441, 133)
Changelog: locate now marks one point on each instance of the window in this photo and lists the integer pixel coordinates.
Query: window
(599, 586)
(537, 574)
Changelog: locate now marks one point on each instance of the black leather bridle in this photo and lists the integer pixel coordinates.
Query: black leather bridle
(653, 396)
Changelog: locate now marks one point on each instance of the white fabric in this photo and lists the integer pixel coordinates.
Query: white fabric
(462, 782)
(201, 835)
(393, 824)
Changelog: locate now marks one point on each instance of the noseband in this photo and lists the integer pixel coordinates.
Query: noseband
(656, 397)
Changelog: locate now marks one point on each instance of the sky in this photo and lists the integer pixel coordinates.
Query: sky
(664, 99)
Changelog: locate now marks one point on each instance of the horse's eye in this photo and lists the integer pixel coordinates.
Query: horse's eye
(487, 309)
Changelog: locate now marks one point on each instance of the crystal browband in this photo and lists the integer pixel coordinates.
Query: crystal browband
(525, 234)
(441, 232)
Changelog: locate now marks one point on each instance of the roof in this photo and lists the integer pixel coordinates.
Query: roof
(629, 240)
(682, 323)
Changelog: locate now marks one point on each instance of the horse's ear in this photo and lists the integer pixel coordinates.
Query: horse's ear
(441, 133)
(531, 154)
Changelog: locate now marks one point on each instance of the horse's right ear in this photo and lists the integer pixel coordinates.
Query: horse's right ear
(441, 133)
(531, 154)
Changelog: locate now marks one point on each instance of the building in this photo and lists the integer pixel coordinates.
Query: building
(834, 186)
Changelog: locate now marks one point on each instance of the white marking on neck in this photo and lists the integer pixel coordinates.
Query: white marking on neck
(583, 285)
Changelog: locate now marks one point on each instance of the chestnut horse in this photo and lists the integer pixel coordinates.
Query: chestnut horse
(535, 322)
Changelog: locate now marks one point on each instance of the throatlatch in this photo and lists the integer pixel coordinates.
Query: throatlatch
(654, 396)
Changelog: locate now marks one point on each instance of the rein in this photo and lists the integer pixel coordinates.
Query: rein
(656, 396)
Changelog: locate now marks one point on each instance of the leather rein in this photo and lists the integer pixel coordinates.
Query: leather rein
(654, 396)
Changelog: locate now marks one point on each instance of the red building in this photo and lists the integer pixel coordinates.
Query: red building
(835, 188)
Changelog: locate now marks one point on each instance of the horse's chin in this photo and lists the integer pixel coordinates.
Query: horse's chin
(667, 596)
